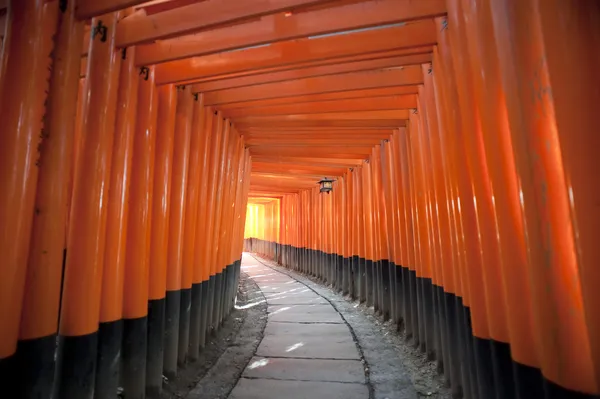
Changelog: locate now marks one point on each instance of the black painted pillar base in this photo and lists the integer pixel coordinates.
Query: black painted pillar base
(347, 276)
(30, 372)
(340, 273)
(362, 280)
(355, 280)
(203, 314)
(502, 369)
(385, 289)
(400, 296)
(414, 311)
(155, 351)
(393, 292)
(377, 287)
(76, 366)
(184, 325)
(195, 316)
(428, 321)
(369, 265)
(135, 345)
(225, 295)
(108, 365)
(217, 301)
(171, 337)
(210, 305)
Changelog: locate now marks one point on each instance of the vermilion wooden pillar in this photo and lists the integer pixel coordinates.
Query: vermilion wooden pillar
(210, 215)
(572, 28)
(80, 308)
(25, 74)
(471, 282)
(41, 299)
(220, 198)
(203, 128)
(179, 180)
(159, 235)
(547, 194)
(193, 124)
(110, 331)
(505, 186)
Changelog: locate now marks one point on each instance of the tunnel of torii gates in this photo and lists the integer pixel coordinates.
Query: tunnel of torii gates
(462, 137)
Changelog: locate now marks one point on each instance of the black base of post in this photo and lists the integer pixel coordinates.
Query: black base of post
(172, 308)
(217, 301)
(76, 366)
(204, 314)
(355, 281)
(184, 325)
(393, 292)
(385, 289)
(135, 346)
(110, 336)
(195, 313)
(155, 351)
(30, 372)
(210, 305)
(362, 280)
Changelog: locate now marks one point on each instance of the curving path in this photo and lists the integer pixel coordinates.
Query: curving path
(307, 351)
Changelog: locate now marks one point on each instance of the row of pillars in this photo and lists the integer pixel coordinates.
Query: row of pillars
(475, 227)
(122, 209)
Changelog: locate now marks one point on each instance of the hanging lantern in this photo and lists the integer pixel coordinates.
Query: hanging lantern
(326, 185)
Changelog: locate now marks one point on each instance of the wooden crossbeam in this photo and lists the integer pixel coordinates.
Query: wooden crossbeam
(90, 8)
(407, 76)
(198, 16)
(351, 105)
(279, 27)
(321, 70)
(417, 34)
(343, 95)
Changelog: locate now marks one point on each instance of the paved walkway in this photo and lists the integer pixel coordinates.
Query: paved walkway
(307, 350)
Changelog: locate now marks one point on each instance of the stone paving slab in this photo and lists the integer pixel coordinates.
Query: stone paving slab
(308, 330)
(291, 299)
(295, 291)
(306, 370)
(316, 345)
(304, 314)
(279, 287)
(278, 389)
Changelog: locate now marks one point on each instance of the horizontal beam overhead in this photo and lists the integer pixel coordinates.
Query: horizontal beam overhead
(313, 63)
(279, 27)
(370, 123)
(321, 70)
(340, 152)
(342, 95)
(199, 16)
(306, 132)
(406, 76)
(360, 115)
(298, 169)
(86, 9)
(356, 104)
(308, 160)
(411, 35)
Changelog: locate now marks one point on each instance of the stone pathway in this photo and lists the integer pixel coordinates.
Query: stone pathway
(307, 350)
